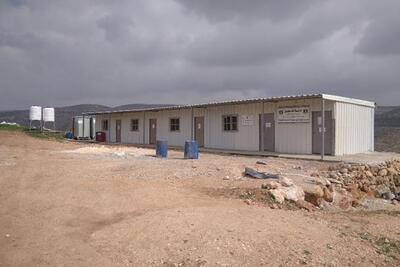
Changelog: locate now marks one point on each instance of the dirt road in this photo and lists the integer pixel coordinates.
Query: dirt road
(66, 204)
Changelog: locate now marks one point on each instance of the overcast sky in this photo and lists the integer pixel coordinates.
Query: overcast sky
(190, 51)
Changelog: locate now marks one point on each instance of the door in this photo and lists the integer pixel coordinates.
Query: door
(317, 132)
(269, 132)
(152, 131)
(118, 131)
(91, 128)
(199, 130)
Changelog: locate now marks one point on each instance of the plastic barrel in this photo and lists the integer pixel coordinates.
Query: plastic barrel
(161, 149)
(69, 135)
(100, 136)
(191, 150)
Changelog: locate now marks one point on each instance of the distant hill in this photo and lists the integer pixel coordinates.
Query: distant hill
(139, 106)
(387, 129)
(64, 114)
(387, 116)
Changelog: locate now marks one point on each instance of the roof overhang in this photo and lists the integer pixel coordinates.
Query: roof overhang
(244, 101)
(349, 100)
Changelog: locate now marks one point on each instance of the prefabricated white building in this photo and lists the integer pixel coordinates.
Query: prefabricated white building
(84, 127)
(291, 124)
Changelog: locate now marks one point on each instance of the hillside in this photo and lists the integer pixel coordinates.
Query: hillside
(387, 129)
(64, 114)
(387, 116)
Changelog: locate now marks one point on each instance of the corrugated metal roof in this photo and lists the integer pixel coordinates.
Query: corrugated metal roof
(243, 101)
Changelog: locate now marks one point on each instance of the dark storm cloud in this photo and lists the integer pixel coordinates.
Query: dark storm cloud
(116, 52)
(381, 38)
(220, 10)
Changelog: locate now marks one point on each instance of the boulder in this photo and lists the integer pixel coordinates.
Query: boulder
(328, 196)
(383, 172)
(343, 200)
(396, 180)
(294, 193)
(313, 194)
(344, 170)
(382, 190)
(278, 195)
(392, 171)
(369, 174)
(388, 196)
(321, 181)
(374, 170)
(333, 175)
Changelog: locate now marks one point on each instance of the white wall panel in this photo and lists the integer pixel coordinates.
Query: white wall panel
(163, 130)
(247, 136)
(297, 137)
(354, 128)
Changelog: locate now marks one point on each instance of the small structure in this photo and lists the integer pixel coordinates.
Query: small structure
(303, 124)
(83, 127)
(35, 114)
(49, 116)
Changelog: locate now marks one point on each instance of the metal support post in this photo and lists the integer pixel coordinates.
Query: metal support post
(323, 130)
(192, 124)
(144, 128)
(262, 125)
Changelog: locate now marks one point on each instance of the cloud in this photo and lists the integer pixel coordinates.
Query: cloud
(222, 10)
(381, 38)
(126, 51)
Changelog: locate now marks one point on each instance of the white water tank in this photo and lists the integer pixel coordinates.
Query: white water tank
(48, 114)
(35, 113)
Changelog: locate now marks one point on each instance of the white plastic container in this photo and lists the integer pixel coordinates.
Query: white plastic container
(48, 115)
(35, 113)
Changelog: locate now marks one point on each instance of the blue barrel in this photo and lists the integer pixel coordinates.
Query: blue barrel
(161, 149)
(69, 135)
(191, 150)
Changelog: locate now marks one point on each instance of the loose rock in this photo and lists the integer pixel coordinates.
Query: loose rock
(294, 193)
(270, 185)
(278, 195)
(383, 172)
(313, 194)
(286, 182)
(328, 196)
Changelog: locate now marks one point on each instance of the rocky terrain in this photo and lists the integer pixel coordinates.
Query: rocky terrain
(339, 187)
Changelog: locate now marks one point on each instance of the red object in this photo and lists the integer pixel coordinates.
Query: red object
(100, 136)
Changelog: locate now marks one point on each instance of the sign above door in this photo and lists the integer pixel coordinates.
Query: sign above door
(294, 114)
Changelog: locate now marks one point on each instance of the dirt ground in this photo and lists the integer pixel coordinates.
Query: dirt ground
(68, 204)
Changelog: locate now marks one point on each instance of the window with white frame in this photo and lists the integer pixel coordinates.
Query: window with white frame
(230, 123)
(174, 124)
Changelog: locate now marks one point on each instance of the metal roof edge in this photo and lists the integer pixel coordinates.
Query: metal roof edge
(349, 100)
(229, 102)
(244, 101)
